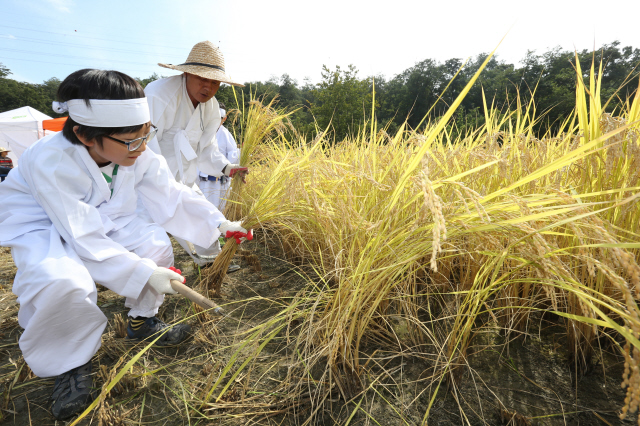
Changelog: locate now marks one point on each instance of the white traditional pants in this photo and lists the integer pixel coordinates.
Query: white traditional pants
(215, 192)
(62, 323)
(203, 255)
(200, 255)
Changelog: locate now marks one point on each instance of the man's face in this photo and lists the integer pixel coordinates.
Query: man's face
(201, 89)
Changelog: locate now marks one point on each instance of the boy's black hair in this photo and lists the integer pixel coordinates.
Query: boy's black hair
(97, 84)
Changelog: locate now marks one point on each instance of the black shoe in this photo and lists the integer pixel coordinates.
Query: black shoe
(72, 392)
(147, 329)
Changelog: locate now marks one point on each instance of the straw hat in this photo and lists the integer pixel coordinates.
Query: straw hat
(3, 149)
(205, 60)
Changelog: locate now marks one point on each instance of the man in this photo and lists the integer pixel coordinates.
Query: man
(187, 115)
(6, 164)
(216, 188)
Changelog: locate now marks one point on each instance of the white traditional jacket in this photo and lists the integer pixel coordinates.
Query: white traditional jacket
(186, 135)
(227, 145)
(216, 191)
(58, 184)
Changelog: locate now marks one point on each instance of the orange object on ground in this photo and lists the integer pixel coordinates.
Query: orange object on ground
(55, 124)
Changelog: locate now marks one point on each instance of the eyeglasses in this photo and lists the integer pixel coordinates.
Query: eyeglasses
(134, 144)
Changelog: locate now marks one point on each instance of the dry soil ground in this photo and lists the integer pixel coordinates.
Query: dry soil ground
(526, 382)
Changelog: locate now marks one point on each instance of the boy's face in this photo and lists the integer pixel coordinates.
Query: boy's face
(116, 152)
(4, 154)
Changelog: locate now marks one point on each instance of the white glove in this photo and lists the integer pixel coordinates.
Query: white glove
(160, 278)
(227, 169)
(231, 168)
(228, 226)
(234, 230)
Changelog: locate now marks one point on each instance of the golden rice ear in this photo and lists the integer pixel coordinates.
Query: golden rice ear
(120, 326)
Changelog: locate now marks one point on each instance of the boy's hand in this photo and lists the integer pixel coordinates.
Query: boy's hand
(161, 278)
(235, 230)
(179, 272)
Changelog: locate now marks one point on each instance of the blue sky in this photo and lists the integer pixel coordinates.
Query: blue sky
(41, 39)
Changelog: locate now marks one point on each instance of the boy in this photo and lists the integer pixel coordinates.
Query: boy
(69, 215)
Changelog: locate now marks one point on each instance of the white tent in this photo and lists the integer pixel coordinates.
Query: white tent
(19, 128)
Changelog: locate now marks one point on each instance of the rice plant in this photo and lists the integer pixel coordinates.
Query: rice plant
(259, 124)
(498, 223)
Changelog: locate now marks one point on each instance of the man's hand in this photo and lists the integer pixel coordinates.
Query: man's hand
(160, 280)
(235, 230)
(231, 169)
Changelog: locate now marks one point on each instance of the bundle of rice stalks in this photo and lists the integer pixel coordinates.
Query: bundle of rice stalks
(260, 124)
(262, 207)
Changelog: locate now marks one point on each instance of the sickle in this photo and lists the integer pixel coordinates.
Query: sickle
(196, 297)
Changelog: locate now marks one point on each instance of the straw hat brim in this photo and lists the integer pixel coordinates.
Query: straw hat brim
(204, 72)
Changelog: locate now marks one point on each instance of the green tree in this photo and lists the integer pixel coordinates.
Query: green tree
(292, 97)
(49, 90)
(341, 99)
(144, 81)
(15, 94)
(4, 71)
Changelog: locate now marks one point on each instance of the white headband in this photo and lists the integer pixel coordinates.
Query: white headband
(223, 113)
(106, 112)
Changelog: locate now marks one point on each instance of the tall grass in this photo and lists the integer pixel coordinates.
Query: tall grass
(444, 233)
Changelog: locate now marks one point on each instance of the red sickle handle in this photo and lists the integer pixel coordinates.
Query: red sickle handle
(238, 235)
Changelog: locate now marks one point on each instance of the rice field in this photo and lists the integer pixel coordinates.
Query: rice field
(423, 268)
(421, 243)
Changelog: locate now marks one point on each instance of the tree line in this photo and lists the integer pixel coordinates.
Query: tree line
(343, 100)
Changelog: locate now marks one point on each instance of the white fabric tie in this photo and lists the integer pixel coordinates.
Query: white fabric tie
(60, 107)
(106, 112)
(183, 147)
